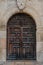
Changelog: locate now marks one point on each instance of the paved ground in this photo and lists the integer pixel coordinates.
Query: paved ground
(23, 63)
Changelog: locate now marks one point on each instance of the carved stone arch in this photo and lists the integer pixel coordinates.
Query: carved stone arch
(28, 10)
(34, 15)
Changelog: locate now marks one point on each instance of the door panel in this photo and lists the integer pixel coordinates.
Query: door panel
(21, 38)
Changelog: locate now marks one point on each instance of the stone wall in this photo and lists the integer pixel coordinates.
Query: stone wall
(33, 8)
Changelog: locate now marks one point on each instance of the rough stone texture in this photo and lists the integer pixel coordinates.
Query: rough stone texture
(33, 8)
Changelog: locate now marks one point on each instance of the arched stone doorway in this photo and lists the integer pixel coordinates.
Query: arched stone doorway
(21, 37)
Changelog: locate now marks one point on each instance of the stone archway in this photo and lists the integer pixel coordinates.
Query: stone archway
(35, 15)
(17, 45)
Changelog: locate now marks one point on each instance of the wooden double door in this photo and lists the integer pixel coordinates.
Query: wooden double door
(21, 38)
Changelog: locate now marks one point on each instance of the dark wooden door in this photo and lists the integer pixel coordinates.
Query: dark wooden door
(21, 38)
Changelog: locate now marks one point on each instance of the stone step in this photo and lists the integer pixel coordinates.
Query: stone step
(22, 63)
